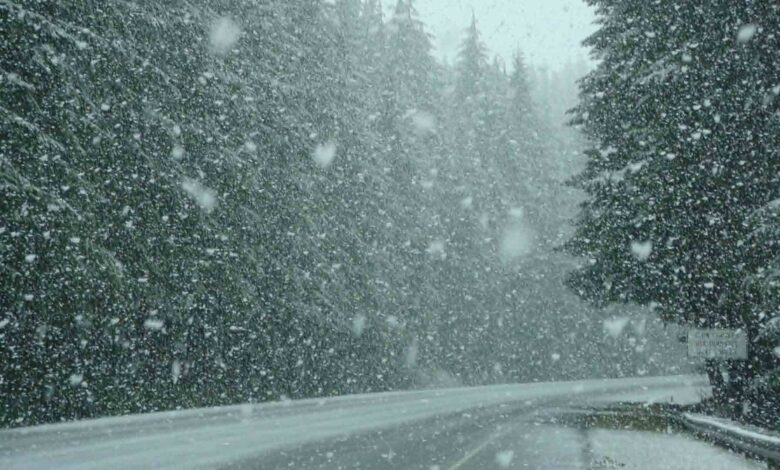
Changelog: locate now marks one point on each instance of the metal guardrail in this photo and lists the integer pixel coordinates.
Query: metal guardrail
(748, 442)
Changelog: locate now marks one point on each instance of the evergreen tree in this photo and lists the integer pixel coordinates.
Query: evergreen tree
(470, 95)
(685, 150)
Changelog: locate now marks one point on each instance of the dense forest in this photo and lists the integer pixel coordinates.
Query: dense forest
(683, 177)
(226, 201)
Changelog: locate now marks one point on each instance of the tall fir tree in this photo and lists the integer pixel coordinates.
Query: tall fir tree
(683, 120)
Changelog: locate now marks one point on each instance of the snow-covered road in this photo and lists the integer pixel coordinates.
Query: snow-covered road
(273, 435)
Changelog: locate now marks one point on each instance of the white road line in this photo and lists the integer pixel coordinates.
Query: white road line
(473, 453)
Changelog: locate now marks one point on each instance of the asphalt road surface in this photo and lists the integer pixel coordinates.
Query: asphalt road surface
(508, 426)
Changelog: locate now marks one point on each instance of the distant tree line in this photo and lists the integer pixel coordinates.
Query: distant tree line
(213, 202)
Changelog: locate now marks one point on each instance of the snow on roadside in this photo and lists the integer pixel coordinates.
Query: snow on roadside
(735, 428)
(644, 450)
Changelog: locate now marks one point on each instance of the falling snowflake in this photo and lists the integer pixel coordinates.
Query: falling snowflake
(358, 325)
(175, 371)
(437, 249)
(424, 123)
(615, 326)
(324, 154)
(224, 35)
(517, 242)
(204, 197)
(153, 324)
(746, 33)
(642, 250)
(177, 152)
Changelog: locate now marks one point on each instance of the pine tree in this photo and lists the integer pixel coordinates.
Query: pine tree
(684, 152)
(470, 93)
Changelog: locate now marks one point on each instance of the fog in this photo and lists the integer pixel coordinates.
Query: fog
(549, 32)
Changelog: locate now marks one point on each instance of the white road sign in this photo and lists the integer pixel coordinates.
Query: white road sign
(717, 344)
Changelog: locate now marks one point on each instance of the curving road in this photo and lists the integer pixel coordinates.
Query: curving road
(508, 426)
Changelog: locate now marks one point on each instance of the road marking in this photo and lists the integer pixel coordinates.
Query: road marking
(473, 453)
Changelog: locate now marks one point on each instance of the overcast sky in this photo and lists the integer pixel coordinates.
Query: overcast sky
(549, 32)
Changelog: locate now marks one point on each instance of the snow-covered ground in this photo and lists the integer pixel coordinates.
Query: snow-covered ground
(755, 440)
(208, 438)
(552, 447)
(741, 430)
(643, 450)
